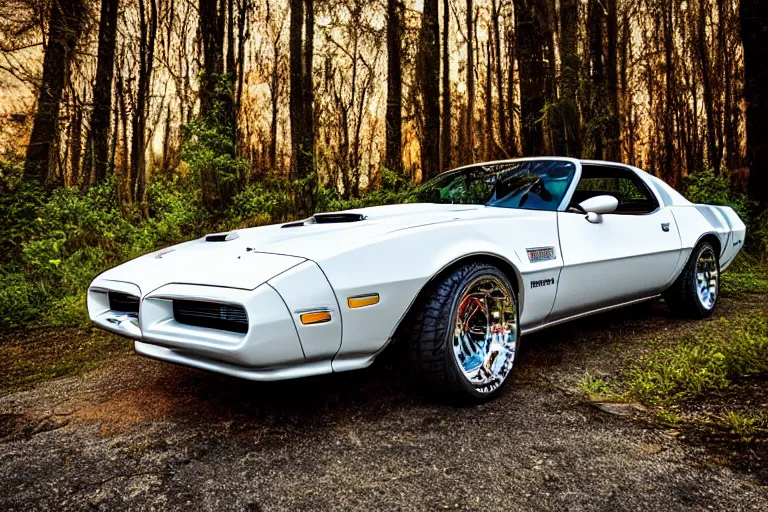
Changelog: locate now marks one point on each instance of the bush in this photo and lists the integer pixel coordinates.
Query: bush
(21, 300)
(53, 248)
(706, 187)
(724, 351)
(261, 203)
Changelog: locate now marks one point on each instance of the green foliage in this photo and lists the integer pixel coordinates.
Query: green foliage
(745, 424)
(722, 352)
(593, 385)
(706, 187)
(747, 274)
(757, 236)
(261, 203)
(209, 149)
(53, 247)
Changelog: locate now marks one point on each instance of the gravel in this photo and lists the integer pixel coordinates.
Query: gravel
(145, 435)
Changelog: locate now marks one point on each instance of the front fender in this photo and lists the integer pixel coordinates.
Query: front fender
(398, 265)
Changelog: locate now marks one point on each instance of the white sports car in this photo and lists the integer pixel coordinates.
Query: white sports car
(488, 253)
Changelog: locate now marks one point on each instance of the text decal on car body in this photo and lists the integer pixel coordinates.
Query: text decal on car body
(542, 282)
(538, 254)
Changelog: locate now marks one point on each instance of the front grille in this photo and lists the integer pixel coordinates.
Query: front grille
(123, 303)
(225, 317)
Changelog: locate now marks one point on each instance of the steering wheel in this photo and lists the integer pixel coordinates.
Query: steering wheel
(538, 188)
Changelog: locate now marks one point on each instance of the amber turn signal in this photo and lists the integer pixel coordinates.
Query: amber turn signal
(363, 300)
(315, 317)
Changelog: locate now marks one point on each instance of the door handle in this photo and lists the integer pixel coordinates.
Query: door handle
(665, 226)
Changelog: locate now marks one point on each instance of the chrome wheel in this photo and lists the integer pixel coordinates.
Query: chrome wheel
(707, 278)
(486, 334)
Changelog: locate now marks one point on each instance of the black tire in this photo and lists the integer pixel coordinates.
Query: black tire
(682, 297)
(431, 330)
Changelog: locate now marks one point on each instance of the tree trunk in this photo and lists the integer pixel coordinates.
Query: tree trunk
(488, 128)
(511, 142)
(702, 49)
(625, 49)
(668, 172)
(147, 34)
(501, 108)
(97, 150)
(274, 99)
(569, 78)
(612, 127)
(754, 34)
(730, 126)
(301, 102)
(394, 113)
(595, 30)
(470, 119)
(243, 32)
(530, 57)
(212, 35)
(64, 29)
(429, 86)
(75, 142)
(445, 145)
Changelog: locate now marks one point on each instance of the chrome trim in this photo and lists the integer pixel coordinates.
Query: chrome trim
(540, 327)
(123, 324)
(323, 309)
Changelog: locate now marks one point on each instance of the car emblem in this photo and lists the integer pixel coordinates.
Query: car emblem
(538, 254)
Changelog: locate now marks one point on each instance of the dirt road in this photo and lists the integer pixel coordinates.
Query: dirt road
(147, 435)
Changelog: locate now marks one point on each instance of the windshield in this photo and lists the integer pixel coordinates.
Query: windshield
(531, 185)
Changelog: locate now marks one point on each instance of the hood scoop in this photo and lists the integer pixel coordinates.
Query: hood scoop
(327, 218)
(222, 237)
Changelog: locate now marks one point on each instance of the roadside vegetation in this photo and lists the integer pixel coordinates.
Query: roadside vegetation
(713, 381)
(54, 245)
(30, 357)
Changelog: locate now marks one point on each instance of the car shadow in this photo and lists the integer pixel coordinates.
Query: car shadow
(181, 394)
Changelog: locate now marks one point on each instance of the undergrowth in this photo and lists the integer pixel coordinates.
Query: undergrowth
(52, 246)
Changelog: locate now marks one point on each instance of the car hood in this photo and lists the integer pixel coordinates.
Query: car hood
(254, 255)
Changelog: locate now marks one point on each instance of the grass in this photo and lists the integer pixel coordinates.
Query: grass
(723, 351)
(33, 356)
(594, 386)
(698, 381)
(744, 424)
(747, 274)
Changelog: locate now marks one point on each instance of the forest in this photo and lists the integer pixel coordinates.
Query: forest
(129, 125)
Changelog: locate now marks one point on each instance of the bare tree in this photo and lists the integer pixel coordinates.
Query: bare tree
(470, 115)
(147, 36)
(65, 25)
(445, 134)
(97, 150)
(394, 114)
(429, 86)
(301, 101)
(530, 54)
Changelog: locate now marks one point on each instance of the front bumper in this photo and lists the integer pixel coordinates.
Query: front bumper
(276, 345)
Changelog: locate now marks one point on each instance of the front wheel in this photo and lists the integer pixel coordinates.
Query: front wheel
(465, 334)
(694, 294)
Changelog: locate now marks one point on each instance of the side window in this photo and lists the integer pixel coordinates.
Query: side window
(630, 190)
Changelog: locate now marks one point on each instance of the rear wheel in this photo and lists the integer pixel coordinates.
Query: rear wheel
(464, 335)
(694, 294)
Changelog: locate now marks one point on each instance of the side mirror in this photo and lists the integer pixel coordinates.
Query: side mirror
(598, 205)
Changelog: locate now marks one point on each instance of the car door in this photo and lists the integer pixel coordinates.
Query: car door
(630, 254)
